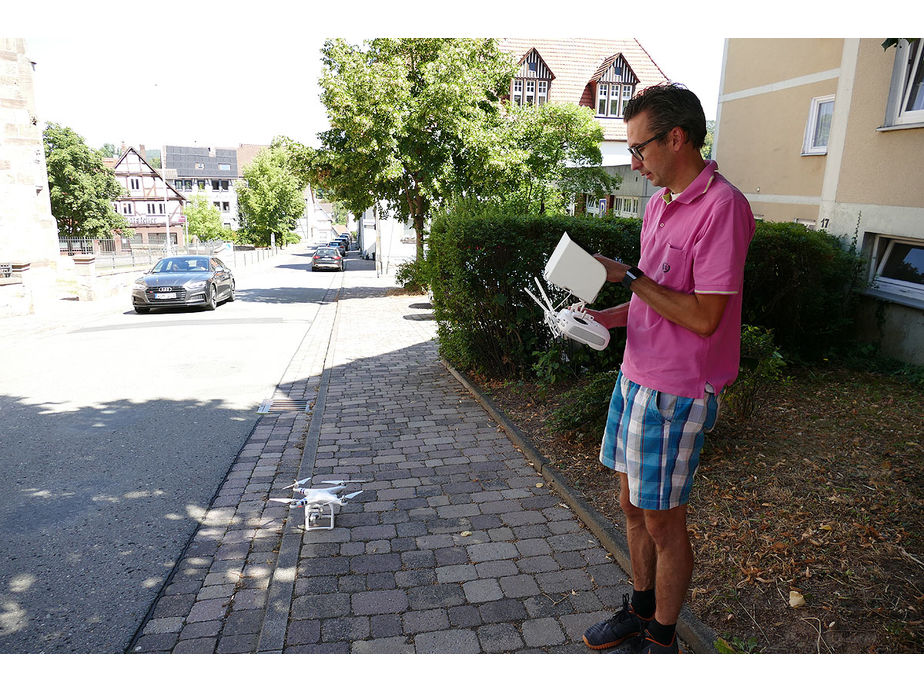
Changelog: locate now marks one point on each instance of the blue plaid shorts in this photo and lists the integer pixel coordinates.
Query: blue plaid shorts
(655, 439)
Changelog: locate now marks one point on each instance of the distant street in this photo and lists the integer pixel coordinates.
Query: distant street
(115, 434)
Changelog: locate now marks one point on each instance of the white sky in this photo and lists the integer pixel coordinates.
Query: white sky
(214, 74)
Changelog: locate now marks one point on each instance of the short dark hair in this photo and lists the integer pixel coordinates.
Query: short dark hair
(670, 105)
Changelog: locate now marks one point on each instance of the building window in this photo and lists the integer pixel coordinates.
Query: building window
(224, 167)
(135, 183)
(818, 127)
(906, 95)
(612, 98)
(217, 205)
(224, 185)
(215, 184)
(899, 268)
(529, 92)
(127, 208)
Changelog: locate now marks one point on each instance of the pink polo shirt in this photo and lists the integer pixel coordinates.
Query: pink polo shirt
(696, 243)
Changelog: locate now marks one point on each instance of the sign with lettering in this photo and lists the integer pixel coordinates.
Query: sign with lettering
(6, 270)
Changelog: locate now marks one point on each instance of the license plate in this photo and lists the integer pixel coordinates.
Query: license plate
(167, 295)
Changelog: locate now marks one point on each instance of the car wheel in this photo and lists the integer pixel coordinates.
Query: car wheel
(231, 292)
(211, 301)
(139, 309)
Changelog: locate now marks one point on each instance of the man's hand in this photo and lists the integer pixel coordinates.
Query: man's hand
(617, 316)
(615, 270)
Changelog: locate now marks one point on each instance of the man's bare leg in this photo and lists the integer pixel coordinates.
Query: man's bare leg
(641, 546)
(674, 560)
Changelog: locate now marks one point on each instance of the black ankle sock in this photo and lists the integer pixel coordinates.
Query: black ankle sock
(661, 633)
(643, 603)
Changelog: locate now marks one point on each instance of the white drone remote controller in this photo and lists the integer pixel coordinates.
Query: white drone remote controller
(572, 322)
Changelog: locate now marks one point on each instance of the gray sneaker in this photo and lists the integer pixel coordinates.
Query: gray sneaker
(623, 625)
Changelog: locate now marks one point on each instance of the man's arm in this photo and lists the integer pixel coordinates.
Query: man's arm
(699, 313)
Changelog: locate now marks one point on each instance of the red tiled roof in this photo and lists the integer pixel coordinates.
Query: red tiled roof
(575, 62)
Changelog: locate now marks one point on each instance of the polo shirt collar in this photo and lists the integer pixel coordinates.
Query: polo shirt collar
(698, 187)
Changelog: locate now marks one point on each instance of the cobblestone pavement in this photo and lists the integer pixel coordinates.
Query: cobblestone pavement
(456, 544)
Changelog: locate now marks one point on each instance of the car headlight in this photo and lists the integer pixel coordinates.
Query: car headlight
(193, 285)
(140, 282)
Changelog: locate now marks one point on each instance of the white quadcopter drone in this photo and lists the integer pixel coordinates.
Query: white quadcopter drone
(574, 269)
(319, 502)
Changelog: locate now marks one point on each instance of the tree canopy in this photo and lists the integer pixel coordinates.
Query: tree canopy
(81, 188)
(204, 220)
(420, 123)
(270, 200)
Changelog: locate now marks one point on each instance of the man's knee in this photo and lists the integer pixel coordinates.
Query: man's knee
(667, 526)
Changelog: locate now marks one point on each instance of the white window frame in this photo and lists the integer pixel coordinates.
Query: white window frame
(809, 148)
(517, 92)
(908, 64)
(887, 285)
(612, 98)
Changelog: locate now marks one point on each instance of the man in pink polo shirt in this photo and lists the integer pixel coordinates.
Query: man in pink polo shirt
(683, 337)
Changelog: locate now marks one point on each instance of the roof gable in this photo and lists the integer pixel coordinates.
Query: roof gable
(532, 65)
(615, 70)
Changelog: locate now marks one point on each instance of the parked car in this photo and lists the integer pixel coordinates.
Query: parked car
(184, 280)
(327, 257)
(339, 245)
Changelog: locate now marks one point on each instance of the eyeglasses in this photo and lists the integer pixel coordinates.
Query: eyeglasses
(636, 151)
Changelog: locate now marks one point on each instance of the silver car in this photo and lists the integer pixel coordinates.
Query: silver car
(184, 280)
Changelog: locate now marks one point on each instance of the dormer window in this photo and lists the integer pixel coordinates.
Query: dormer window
(531, 85)
(616, 83)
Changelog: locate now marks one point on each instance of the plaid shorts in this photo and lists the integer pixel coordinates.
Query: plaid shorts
(655, 439)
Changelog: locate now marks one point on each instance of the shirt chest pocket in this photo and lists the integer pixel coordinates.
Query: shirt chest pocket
(674, 271)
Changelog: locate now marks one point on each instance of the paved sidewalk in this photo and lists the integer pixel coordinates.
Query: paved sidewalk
(457, 545)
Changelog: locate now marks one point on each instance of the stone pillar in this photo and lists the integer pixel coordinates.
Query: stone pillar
(85, 270)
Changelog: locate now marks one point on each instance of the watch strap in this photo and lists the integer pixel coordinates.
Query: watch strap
(632, 274)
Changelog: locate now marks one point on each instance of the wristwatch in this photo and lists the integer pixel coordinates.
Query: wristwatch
(632, 274)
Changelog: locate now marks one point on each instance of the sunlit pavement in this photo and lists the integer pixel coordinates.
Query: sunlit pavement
(455, 546)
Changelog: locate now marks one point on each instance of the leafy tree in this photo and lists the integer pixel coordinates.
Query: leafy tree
(270, 201)
(414, 123)
(109, 150)
(706, 149)
(204, 221)
(559, 155)
(81, 188)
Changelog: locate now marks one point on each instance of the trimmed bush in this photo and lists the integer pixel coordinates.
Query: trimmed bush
(802, 285)
(480, 265)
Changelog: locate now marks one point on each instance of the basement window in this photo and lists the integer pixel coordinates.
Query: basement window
(899, 269)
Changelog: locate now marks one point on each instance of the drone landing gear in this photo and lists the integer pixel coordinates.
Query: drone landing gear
(314, 514)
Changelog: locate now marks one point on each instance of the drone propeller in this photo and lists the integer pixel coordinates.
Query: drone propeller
(299, 482)
(352, 495)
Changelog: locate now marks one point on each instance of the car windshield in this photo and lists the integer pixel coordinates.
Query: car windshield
(182, 264)
(327, 252)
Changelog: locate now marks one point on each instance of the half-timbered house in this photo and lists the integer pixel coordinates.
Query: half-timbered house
(151, 209)
(601, 74)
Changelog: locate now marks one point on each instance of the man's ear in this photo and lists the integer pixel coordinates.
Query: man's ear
(676, 138)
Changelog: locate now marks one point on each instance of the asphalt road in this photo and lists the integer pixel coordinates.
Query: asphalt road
(115, 433)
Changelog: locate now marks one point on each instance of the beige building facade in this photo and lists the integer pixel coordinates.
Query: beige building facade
(830, 133)
(28, 231)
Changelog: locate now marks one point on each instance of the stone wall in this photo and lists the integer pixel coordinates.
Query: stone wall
(28, 232)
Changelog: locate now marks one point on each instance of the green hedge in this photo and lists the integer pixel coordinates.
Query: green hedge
(802, 285)
(798, 283)
(480, 266)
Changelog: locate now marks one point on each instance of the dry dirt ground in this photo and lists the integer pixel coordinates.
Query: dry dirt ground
(806, 519)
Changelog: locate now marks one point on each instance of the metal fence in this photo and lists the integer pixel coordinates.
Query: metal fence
(122, 255)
